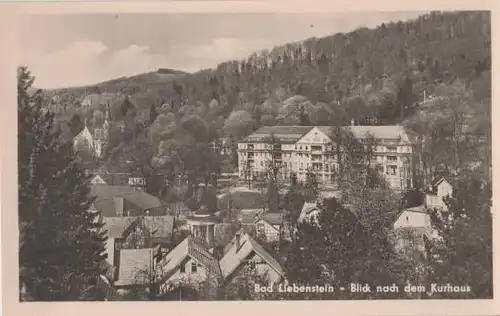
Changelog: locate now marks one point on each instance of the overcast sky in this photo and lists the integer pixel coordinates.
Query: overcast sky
(72, 50)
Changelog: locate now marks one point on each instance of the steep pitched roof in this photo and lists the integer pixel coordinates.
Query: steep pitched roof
(188, 247)
(307, 208)
(116, 226)
(158, 226)
(136, 266)
(85, 132)
(438, 181)
(234, 257)
(135, 200)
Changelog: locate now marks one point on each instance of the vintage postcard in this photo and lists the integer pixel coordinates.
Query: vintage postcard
(296, 154)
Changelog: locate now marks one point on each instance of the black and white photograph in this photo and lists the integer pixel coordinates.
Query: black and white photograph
(254, 156)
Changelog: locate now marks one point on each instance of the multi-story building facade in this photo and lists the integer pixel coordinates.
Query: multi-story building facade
(303, 149)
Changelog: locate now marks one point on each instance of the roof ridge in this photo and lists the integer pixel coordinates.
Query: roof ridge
(259, 247)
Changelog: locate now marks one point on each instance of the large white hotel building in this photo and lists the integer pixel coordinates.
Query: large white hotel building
(299, 149)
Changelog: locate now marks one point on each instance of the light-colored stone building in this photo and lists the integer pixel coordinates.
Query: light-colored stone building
(299, 149)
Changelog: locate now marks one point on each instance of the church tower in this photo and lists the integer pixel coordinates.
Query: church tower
(106, 126)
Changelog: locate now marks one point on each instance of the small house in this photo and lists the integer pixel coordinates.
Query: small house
(310, 211)
(243, 251)
(188, 263)
(436, 194)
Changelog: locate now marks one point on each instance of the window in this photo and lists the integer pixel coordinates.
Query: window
(391, 170)
(194, 267)
(392, 158)
(392, 148)
(301, 166)
(182, 269)
(260, 227)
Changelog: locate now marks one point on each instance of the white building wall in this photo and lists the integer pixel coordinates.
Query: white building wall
(271, 232)
(413, 219)
(310, 152)
(110, 250)
(444, 189)
(187, 276)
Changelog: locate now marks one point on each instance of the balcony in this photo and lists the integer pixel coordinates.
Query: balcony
(316, 158)
(316, 150)
(317, 167)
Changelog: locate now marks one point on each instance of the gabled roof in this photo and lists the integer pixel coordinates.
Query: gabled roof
(307, 208)
(116, 226)
(291, 134)
(136, 201)
(158, 226)
(188, 248)
(437, 181)
(136, 266)
(84, 131)
(234, 258)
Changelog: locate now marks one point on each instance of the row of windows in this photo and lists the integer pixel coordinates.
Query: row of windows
(315, 147)
(314, 157)
(194, 268)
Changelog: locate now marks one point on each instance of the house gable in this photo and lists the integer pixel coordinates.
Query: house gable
(413, 218)
(97, 180)
(314, 136)
(443, 188)
(85, 134)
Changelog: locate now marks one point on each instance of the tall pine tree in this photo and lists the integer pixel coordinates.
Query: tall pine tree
(61, 253)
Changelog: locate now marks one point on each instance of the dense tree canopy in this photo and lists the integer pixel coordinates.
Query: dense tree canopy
(61, 253)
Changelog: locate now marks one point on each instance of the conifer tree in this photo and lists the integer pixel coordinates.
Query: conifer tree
(61, 253)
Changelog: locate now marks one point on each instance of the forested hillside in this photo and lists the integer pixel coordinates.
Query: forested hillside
(394, 73)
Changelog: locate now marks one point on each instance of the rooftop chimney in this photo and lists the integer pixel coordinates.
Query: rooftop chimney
(118, 201)
(238, 241)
